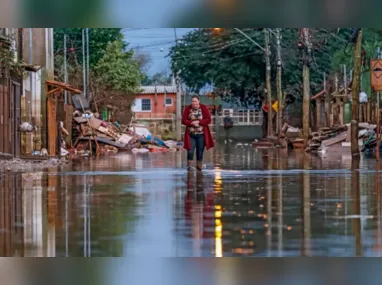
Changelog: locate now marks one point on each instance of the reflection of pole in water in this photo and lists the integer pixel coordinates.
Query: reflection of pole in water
(269, 212)
(356, 193)
(85, 219)
(280, 208)
(87, 239)
(89, 223)
(306, 247)
(66, 218)
(378, 196)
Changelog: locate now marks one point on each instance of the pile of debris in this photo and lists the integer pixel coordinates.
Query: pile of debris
(326, 137)
(92, 135)
(322, 139)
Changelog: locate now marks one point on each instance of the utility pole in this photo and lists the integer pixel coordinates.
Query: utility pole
(268, 81)
(306, 84)
(87, 62)
(65, 69)
(84, 62)
(278, 83)
(355, 95)
(378, 118)
(178, 101)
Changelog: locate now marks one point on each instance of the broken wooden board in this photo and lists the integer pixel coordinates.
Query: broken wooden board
(95, 123)
(103, 140)
(340, 138)
(367, 126)
(108, 132)
(125, 139)
(79, 120)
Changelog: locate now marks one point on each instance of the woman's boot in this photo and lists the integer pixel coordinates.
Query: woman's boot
(189, 165)
(199, 165)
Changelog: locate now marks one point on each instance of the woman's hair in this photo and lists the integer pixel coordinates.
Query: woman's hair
(195, 97)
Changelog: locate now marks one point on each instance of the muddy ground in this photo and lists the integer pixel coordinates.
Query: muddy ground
(26, 165)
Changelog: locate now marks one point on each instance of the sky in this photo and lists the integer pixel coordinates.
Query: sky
(156, 42)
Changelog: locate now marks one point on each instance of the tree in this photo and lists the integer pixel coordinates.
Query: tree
(236, 67)
(143, 60)
(117, 69)
(159, 78)
(225, 59)
(99, 38)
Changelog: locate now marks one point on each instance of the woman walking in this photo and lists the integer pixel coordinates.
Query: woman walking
(196, 118)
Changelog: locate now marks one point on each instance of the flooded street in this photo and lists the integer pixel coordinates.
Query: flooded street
(247, 202)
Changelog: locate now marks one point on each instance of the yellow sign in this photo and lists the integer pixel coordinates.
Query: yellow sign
(275, 106)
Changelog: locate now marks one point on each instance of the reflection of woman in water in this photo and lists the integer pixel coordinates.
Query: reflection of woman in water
(196, 118)
(197, 206)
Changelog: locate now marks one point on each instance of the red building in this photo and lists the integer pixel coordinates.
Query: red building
(155, 102)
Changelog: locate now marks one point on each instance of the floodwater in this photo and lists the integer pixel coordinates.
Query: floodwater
(247, 202)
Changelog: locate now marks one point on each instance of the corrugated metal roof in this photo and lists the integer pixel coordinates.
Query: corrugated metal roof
(160, 89)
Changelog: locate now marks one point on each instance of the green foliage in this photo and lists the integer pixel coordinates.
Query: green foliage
(226, 60)
(8, 64)
(237, 67)
(159, 78)
(118, 70)
(99, 38)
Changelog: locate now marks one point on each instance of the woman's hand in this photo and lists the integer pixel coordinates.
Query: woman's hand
(195, 123)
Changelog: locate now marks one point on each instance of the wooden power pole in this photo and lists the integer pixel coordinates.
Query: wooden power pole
(278, 83)
(306, 84)
(355, 95)
(268, 80)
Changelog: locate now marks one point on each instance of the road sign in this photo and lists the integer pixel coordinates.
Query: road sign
(376, 74)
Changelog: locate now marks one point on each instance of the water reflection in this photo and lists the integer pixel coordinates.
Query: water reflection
(144, 205)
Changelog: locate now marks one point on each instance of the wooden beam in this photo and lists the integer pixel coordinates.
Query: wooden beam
(54, 90)
(52, 126)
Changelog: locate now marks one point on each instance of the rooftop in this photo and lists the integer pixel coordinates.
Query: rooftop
(159, 89)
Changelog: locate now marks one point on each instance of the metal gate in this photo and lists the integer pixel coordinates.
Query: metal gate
(15, 118)
(5, 142)
(10, 117)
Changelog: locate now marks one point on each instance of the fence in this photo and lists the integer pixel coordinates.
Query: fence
(246, 118)
(154, 116)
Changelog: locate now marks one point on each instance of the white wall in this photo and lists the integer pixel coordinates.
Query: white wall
(137, 106)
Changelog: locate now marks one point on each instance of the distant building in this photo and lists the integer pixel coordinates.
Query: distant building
(155, 102)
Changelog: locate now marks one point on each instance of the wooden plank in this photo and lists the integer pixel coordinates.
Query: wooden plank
(79, 120)
(7, 142)
(52, 126)
(54, 91)
(340, 138)
(105, 141)
(1, 118)
(95, 123)
(68, 124)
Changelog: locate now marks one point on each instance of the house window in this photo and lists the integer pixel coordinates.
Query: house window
(168, 101)
(146, 105)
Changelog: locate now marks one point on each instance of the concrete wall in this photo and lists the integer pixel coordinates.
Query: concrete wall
(165, 128)
(240, 133)
(33, 95)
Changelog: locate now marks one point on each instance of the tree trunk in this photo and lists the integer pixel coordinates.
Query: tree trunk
(318, 114)
(268, 82)
(355, 95)
(306, 87)
(278, 84)
(306, 102)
